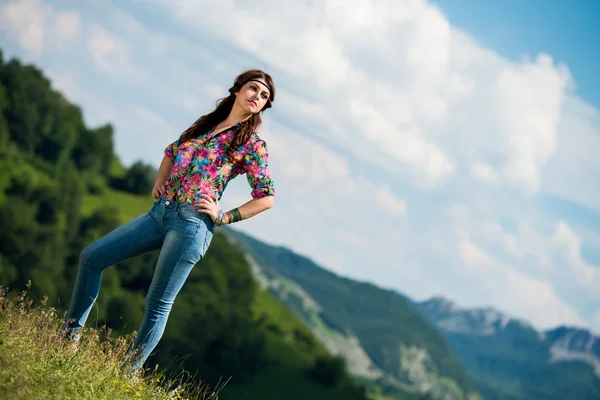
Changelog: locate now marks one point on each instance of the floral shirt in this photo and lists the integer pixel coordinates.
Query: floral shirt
(201, 166)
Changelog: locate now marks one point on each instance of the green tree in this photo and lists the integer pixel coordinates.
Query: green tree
(330, 371)
(138, 179)
(93, 151)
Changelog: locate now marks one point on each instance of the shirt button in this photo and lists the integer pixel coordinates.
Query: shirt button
(167, 203)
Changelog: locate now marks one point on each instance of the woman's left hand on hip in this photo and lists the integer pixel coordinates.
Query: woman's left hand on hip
(209, 207)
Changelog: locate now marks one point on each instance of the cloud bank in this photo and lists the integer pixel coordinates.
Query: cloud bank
(404, 152)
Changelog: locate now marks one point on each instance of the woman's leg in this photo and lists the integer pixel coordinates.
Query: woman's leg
(185, 244)
(139, 236)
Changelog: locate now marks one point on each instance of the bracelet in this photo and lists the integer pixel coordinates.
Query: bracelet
(219, 220)
(234, 216)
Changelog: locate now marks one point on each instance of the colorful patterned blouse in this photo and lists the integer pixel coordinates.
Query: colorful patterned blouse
(202, 166)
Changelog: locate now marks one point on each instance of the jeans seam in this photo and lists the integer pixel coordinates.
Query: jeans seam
(189, 244)
(183, 255)
(205, 245)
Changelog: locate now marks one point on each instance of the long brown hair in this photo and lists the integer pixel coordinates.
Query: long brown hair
(223, 108)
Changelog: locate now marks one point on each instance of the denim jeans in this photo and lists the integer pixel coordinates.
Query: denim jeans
(182, 235)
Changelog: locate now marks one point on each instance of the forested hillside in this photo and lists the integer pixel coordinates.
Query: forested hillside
(402, 350)
(62, 186)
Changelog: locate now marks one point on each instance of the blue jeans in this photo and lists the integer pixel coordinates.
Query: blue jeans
(182, 235)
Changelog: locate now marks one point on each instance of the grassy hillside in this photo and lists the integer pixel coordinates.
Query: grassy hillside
(36, 364)
(398, 340)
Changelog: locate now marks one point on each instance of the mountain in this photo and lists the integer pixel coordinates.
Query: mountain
(506, 358)
(382, 337)
(480, 321)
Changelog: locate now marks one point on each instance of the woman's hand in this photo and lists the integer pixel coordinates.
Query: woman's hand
(158, 190)
(209, 207)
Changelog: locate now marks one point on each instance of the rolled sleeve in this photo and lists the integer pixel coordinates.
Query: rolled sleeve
(171, 150)
(256, 167)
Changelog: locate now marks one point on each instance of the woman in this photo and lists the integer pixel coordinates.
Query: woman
(191, 179)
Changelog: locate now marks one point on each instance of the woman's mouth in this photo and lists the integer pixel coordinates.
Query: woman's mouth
(251, 102)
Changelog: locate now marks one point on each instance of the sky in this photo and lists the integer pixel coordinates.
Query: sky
(442, 148)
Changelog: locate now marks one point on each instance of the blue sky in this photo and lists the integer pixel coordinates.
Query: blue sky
(435, 150)
(568, 30)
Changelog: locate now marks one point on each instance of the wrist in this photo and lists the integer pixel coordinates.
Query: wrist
(233, 216)
(220, 218)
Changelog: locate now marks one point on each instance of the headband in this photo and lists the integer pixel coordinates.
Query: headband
(262, 83)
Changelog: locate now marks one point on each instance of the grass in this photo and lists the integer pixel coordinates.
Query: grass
(128, 205)
(36, 363)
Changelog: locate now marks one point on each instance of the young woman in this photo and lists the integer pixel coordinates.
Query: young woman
(191, 179)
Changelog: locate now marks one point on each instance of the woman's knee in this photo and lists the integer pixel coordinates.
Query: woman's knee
(88, 258)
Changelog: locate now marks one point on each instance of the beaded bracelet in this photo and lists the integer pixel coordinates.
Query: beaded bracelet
(219, 220)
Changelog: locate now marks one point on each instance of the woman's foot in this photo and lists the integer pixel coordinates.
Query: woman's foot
(70, 337)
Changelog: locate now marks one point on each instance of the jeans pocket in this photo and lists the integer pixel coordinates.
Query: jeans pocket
(189, 216)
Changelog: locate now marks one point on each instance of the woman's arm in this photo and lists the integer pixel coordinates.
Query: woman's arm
(247, 210)
(161, 177)
(250, 209)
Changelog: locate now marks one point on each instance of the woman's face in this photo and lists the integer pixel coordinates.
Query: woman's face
(253, 96)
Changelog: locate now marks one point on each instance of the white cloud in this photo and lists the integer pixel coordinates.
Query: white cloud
(38, 26)
(569, 244)
(545, 251)
(306, 160)
(573, 171)
(152, 118)
(530, 99)
(484, 172)
(67, 27)
(26, 19)
(407, 146)
(595, 324)
(511, 290)
(389, 200)
(109, 53)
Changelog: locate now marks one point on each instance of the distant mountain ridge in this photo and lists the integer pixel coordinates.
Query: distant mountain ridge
(384, 340)
(507, 358)
(570, 344)
(566, 343)
(477, 321)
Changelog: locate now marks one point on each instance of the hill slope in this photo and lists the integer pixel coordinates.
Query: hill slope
(35, 363)
(507, 359)
(381, 335)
